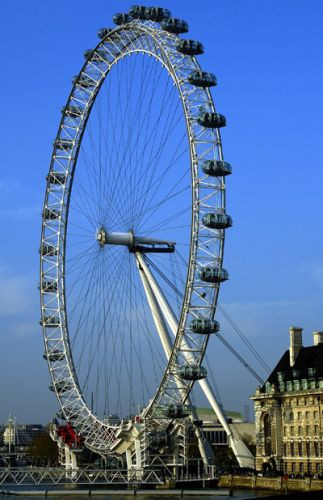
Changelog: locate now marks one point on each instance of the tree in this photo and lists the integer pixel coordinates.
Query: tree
(249, 442)
(43, 450)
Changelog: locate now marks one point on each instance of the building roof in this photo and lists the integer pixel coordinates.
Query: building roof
(308, 357)
(208, 413)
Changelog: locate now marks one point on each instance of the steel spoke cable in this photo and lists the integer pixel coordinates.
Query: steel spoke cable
(244, 339)
(88, 196)
(119, 307)
(240, 358)
(151, 163)
(155, 154)
(126, 147)
(81, 212)
(147, 115)
(236, 354)
(155, 160)
(120, 163)
(163, 223)
(82, 294)
(90, 356)
(151, 210)
(89, 291)
(99, 337)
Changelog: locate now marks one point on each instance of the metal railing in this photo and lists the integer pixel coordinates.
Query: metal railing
(54, 476)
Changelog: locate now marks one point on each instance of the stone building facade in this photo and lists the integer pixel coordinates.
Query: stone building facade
(289, 410)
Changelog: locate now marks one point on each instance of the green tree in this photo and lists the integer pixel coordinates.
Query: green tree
(43, 450)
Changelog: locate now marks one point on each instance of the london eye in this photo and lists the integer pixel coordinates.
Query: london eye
(133, 229)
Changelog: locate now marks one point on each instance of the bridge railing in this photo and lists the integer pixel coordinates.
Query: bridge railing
(50, 476)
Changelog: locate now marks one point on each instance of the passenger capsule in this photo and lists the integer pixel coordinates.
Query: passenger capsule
(63, 144)
(73, 111)
(51, 214)
(217, 220)
(49, 286)
(55, 355)
(202, 79)
(84, 81)
(213, 274)
(189, 47)
(49, 250)
(157, 14)
(157, 440)
(120, 19)
(56, 178)
(192, 372)
(177, 411)
(103, 32)
(212, 120)
(217, 168)
(173, 25)
(51, 321)
(138, 12)
(204, 326)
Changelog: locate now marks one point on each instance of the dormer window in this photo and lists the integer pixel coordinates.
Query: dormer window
(268, 387)
(296, 373)
(281, 376)
(311, 372)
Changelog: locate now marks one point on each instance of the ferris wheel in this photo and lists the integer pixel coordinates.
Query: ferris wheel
(133, 233)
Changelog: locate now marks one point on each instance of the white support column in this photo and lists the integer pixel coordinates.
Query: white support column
(129, 460)
(206, 451)
(242, 453)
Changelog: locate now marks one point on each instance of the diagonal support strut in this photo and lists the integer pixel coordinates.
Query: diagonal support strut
(242, 453)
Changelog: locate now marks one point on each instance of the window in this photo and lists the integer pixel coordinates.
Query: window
(299, 415)
(293, 468)
(307, 415)
(300, 449)
(318, 469)
(285, 450)
(292, 450)
(301, 467)
(267, 434)
(308, 449)
(300, 431)
(316, 449)
(307, 430)
(316, 429)
(285, 431)
(292, 430)
(316, 415)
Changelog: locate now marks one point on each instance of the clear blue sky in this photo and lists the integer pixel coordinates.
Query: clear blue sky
(268, 59)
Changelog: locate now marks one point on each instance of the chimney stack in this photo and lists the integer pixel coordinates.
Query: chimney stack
(317, 337)
(295, 344)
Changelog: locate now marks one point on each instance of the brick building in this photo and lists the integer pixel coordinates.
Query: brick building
(289, 410)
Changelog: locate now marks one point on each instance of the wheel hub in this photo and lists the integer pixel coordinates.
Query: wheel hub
(133, 242)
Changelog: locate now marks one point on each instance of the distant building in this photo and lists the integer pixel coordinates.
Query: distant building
(214, 432)
(17, 438)
(289, 410)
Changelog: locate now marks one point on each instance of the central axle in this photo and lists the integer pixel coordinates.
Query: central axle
(133, 242)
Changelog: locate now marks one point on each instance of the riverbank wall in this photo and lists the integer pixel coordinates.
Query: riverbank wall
(280, 483)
